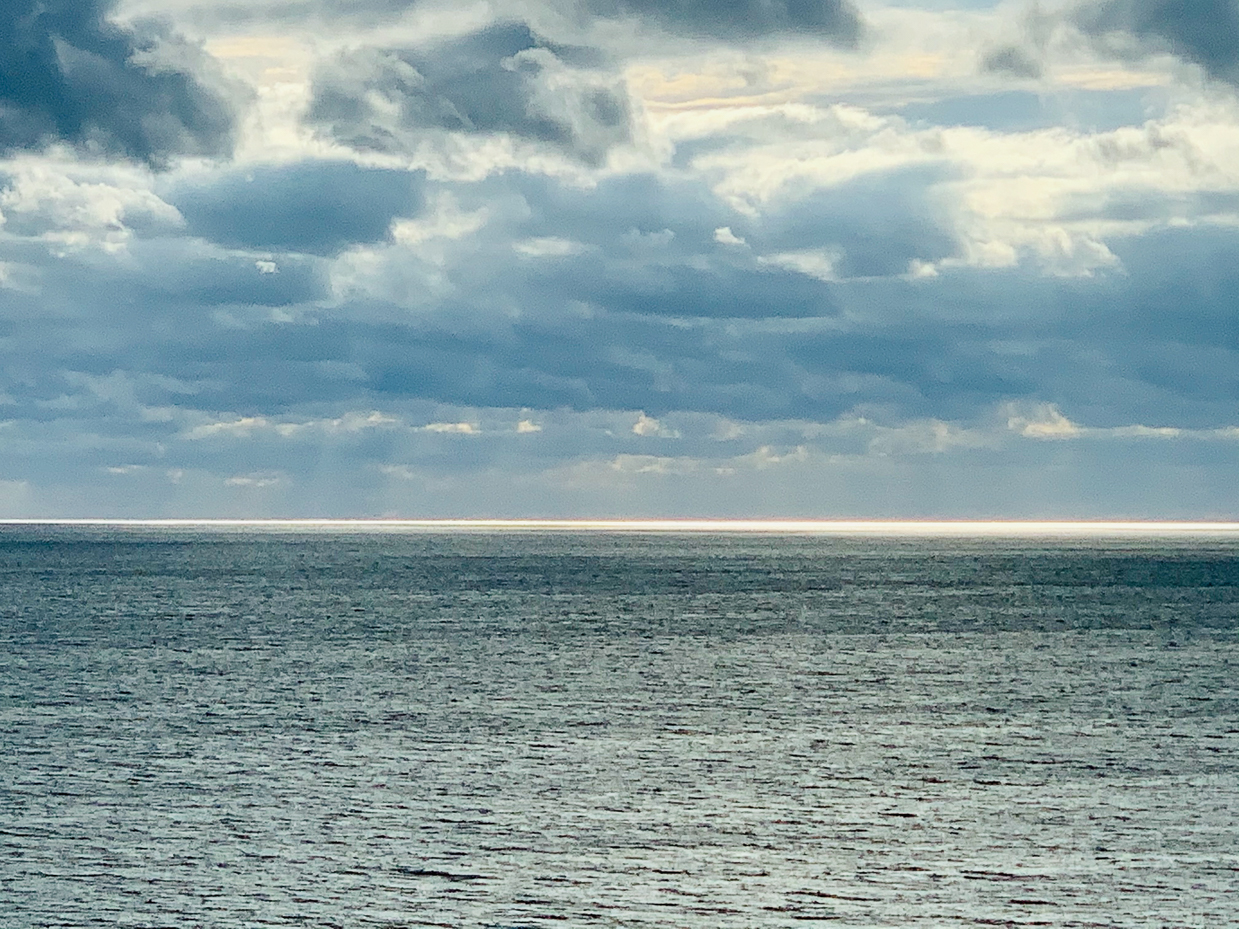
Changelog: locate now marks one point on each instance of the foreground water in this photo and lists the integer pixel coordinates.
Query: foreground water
(521, 730)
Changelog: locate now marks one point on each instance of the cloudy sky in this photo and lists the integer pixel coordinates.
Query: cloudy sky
(619, 258)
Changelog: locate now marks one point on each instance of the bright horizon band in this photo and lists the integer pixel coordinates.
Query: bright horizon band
(790, 526)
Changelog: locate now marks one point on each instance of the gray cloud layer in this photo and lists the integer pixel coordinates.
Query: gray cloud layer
(69, 75)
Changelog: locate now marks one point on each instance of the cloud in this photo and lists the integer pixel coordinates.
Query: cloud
(242, 428)
(1011, 60)
(810, 279)
(873, 226)
(451, 428)
(634, 244)
(256, 481)
(181, 274)
(321, 13)
(501, 80)
(650, 426)
(245, 427)
(836, 21)
(653, 464)
(716, 290)
(654, 314)
(70, 75)
(1204, 32)
(318, 207)
(72, 211)
(548, 247)
(1045, 421)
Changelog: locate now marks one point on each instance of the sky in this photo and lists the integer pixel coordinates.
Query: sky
(619, 258)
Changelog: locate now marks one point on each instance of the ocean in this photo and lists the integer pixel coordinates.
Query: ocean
(210, 728)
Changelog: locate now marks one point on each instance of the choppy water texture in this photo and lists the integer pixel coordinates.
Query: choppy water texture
(520, 730)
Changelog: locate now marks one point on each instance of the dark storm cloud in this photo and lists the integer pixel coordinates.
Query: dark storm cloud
(315, 207)
(488, 82)
(69, 75)
(1205, 32)
(738, 20)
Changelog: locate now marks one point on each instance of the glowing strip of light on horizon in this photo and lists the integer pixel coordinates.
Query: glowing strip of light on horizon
(768, 526)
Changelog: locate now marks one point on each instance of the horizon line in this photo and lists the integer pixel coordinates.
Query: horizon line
(923, 527)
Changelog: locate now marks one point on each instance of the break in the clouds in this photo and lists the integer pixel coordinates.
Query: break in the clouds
(619, 258)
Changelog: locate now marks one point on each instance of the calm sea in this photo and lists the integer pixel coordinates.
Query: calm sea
(238, 729)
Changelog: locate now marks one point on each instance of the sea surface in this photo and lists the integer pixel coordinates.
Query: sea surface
(522, 729)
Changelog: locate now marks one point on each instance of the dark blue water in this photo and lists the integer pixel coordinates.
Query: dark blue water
(523, 729)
